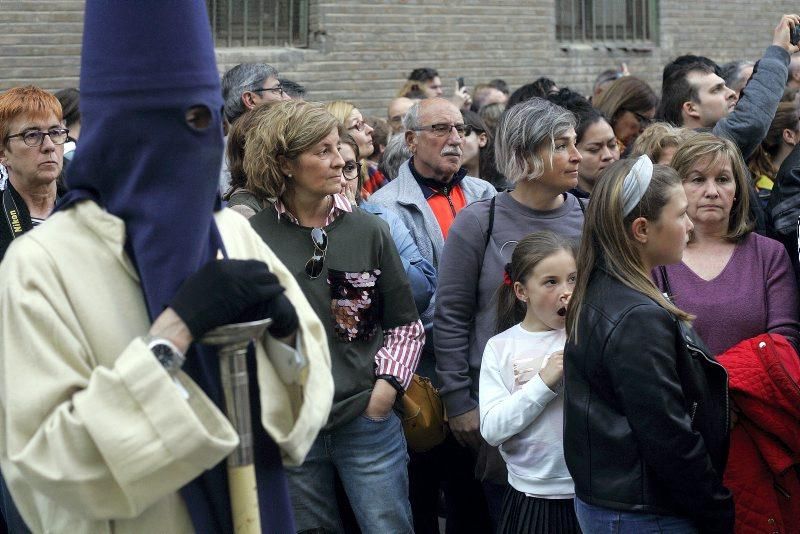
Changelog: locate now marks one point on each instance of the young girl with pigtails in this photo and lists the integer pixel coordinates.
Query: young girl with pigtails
(521, 382)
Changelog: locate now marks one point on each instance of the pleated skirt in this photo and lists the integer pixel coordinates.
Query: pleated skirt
(530, 515)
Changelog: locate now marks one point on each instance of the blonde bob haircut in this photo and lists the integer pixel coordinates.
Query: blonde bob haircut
(284, 129)
(607, 241)
(714, 150)
(341, 110)
(656, 138)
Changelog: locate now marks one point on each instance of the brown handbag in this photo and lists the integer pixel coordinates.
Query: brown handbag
(424, 420)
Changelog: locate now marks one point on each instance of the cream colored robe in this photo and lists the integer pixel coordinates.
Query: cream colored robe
(94, 435)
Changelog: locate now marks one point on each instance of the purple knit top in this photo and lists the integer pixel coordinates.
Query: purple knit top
(755, 293)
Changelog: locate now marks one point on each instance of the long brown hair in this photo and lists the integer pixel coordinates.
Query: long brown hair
(234, 149)
(528, 253)
(626, 94)
(761, 162)
(607, 242)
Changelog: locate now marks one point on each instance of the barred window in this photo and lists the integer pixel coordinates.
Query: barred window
(606, 21)
(241, 23)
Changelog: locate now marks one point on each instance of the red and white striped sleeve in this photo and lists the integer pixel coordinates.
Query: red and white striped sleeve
(400, 353)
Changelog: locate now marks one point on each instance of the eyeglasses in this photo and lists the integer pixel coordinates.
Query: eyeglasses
(360, 126)
(36, 137)
(644, 122)
(277, 90)
(441, 130)
(350, 170)
(314, 265)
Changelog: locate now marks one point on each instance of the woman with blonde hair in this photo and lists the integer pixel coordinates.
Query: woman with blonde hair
(659, 142)
(349, 270)
(630, 105)
(353, 123)
(645, 405)
(725, 259)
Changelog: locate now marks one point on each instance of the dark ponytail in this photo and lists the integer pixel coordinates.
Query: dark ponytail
(532, 249)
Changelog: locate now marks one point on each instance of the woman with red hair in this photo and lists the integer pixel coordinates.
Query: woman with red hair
(32, 151)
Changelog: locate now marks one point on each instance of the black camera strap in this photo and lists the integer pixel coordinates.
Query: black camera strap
(18, 221)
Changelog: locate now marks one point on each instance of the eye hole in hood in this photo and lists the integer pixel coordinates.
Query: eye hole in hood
(198, 117)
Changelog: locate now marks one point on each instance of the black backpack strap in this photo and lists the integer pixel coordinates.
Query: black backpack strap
(491, 222)
(580, 203)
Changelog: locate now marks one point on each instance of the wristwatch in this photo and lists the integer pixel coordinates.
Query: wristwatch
(166, 353)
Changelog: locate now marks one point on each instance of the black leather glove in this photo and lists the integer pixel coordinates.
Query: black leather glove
(284, 318)
(233, 291)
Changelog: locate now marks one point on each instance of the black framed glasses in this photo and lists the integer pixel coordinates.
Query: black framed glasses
(277, 90)
(350, 170)
(36, 137)
(441, 130)
(315, 263)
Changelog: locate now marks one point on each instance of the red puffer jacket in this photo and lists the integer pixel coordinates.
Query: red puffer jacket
(762, 471)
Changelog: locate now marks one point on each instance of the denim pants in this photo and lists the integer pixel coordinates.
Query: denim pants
(601, 520)
(371, 460)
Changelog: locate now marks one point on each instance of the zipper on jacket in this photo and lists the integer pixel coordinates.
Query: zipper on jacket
(446, 193)
(693, 412)
(703, 355)
(780, 489)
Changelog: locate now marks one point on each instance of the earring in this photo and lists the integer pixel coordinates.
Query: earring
(289, 175)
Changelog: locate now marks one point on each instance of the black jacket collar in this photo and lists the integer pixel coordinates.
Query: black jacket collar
(431, 186)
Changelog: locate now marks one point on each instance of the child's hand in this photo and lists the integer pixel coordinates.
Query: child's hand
(553, 371)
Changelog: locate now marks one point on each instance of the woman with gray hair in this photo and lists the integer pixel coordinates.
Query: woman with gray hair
(535, 150)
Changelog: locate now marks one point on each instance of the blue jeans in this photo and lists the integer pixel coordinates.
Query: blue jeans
(371, 460)
(599, 520)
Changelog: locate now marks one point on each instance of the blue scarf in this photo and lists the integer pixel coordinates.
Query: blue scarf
(144, 64)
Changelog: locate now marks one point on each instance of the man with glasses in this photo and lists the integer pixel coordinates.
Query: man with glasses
(429, 191)
(248, 85)
(32, 151)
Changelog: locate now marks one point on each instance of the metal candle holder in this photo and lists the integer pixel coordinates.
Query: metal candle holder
(232, 341)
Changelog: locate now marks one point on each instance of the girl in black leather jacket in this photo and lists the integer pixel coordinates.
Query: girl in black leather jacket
(646, 408)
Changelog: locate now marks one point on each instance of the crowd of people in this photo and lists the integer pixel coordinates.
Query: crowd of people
(602, 288)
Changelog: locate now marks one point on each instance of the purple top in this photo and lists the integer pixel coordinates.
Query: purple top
(755, 293)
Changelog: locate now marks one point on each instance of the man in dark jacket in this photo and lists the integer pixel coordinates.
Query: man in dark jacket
(783, 208)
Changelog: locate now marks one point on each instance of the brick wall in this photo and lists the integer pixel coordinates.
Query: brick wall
(363, 50)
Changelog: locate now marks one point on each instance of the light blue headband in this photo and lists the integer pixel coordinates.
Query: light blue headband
(636, 183)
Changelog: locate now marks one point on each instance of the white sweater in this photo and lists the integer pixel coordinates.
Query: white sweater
(522, 415)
